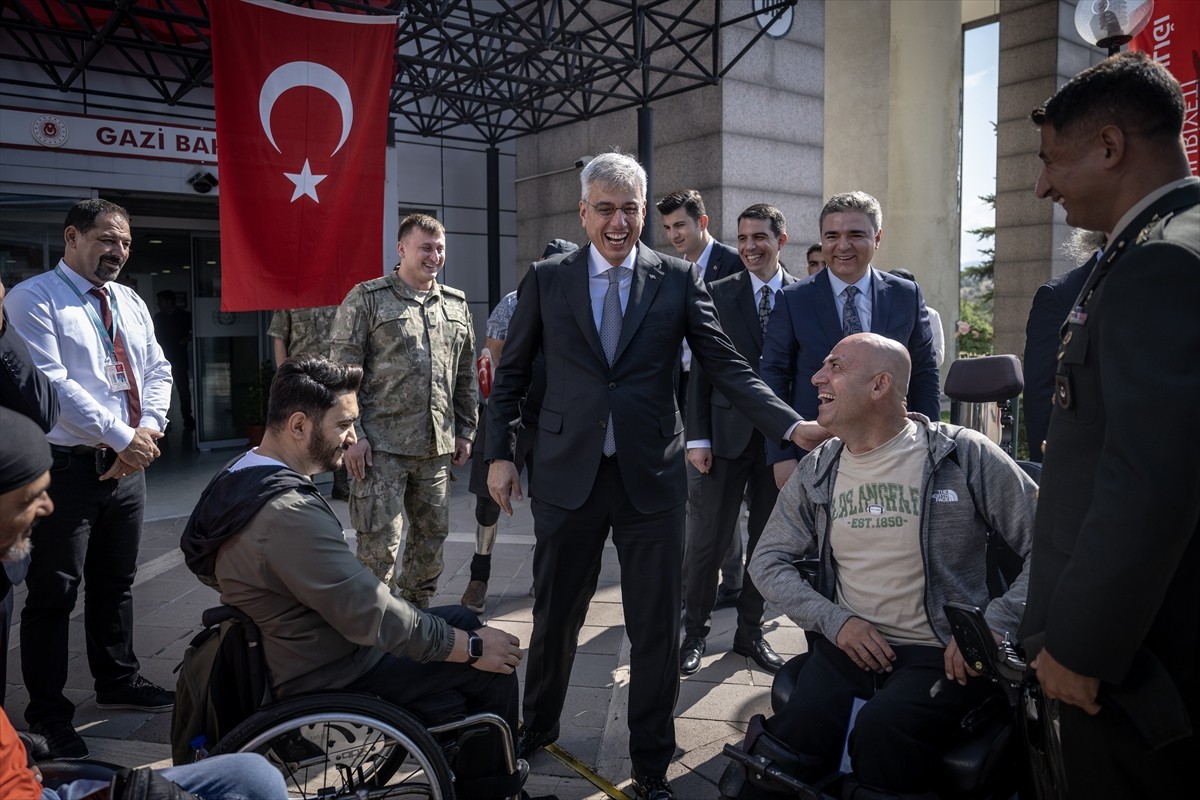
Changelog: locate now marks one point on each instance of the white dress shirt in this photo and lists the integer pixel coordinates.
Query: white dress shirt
(598, 281)
(67, 346)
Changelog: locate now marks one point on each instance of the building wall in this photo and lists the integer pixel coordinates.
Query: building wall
(1039, 52)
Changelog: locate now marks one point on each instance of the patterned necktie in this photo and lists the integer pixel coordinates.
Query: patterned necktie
(850, 321)
(610, 333)
(133, 397)
(764, 308)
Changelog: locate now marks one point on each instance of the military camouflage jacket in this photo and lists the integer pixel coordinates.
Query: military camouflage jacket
(304, 330)
(418, 360)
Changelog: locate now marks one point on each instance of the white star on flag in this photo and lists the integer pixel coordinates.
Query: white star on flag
(306, 182)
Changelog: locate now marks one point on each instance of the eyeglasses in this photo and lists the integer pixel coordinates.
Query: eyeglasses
(607, 210)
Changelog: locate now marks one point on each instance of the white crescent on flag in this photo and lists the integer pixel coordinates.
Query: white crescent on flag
(305, 73)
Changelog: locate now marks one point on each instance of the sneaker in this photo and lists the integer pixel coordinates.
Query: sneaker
(475, 597)
(61, 739)
(139, 695)
(647, 787)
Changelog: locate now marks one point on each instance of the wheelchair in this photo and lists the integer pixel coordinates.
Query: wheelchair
(989, 759)
(343, 744)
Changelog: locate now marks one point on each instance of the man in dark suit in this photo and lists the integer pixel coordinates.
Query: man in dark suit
(1113, 615)
(815, 314)
(1052, 302)
(728, 453)
(685, 221)
(610, 319)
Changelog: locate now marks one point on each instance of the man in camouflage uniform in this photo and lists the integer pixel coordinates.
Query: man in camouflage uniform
(414, 340)
(307, 330)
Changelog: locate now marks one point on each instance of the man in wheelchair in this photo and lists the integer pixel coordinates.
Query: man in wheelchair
(898, 510)
(25, 465)
(265, 538)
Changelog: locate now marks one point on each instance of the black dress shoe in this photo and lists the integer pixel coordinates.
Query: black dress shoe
(529, 741)
(651, 788)
(61, 739)
(725, 598)
(689, 654)
(762, 654)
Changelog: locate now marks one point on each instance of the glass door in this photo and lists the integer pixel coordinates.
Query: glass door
(229, 350)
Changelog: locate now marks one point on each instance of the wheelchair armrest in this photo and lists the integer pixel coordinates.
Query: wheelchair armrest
(218, 614)
(57, 772)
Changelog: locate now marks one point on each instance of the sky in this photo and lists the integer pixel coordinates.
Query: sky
(981, 55)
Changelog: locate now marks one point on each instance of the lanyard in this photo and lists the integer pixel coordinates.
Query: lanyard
(105, 337)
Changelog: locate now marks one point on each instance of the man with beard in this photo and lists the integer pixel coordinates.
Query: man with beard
(94, 338)
(265, 538)
(25, 465)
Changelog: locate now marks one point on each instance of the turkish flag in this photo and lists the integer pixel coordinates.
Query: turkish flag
(1173, 38)
(302, 102)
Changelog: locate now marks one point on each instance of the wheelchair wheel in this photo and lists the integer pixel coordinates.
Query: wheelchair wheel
(343, 745)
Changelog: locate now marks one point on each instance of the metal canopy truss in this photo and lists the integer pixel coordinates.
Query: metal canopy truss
(489, 70)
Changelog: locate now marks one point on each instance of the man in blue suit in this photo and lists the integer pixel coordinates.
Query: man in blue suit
(849, 296)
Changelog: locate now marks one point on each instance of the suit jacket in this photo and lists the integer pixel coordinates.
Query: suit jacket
(711, 415)
(1113, 589)
(667, 302)
(805, 325)
(23, 387)
(1051, 304)
(723, 261)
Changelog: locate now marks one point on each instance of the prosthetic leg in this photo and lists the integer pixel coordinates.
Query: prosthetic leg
(487, 514)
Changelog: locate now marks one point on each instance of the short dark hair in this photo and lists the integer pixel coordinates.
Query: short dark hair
(165, 294)
(82, 216)
(311, 384)
(901, 272)
(1128, 90)
(687, 199)
(424, 222)
(814, 246)
(860, 202)
(769, 213)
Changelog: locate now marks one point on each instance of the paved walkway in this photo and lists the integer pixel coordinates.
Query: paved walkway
(714, 704)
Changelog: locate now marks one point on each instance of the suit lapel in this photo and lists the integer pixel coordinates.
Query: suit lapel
(747, 306)
(881, 308)
(824, 309)
(575, 287)
(647, 278)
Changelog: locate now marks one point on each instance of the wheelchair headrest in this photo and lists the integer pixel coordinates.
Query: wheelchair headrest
(985, 379)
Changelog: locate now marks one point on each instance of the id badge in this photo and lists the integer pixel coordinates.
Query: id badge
(118, 381)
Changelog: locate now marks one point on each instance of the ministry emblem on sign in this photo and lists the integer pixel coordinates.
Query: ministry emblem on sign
(50, 130)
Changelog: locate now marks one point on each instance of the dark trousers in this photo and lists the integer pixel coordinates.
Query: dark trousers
(438, 692)
(714, 505)
(94, 534)
(566, 567)
(11, 574)
(181, 376)
(1106, 757)
(911, 715)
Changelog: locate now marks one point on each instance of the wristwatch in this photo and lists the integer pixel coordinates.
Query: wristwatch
(474, 647)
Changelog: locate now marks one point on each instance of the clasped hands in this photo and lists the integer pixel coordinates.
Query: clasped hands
(137, 456)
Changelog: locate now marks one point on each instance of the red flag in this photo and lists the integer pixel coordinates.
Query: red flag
(301, 100)
(1173, 38)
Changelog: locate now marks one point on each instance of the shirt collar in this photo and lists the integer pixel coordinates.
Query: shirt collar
(702, 261)
(78, 281)
(597, 266)
(863, 283)
(776, 282)
(1146, 201)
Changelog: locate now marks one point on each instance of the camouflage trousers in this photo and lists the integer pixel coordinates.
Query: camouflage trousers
(420, 488)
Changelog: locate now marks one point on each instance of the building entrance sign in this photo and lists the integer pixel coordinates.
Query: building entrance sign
(131, 138)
